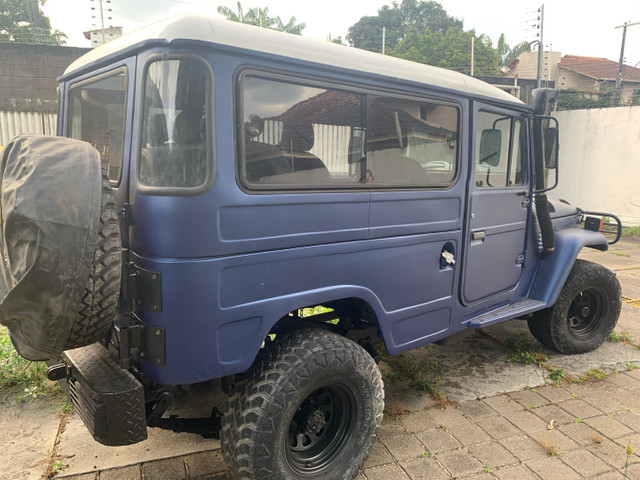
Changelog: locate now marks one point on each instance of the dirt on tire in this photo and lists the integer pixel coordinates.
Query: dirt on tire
(584, 314)
(100, 298)
(310, 407)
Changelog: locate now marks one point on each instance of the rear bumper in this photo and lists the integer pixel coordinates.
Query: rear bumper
(109, 399)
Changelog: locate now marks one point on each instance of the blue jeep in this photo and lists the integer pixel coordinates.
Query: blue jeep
(230, 203)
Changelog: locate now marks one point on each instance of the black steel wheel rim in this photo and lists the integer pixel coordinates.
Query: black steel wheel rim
(586, 312)
(322, 424)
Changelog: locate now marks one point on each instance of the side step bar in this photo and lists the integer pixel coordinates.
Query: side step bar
(505, 313)
(109, 400)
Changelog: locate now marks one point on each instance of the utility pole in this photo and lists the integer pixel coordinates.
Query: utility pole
(473, 50)
(36, 21)
(540, 47)
(621, 63)
(102, 22)
(384, 38)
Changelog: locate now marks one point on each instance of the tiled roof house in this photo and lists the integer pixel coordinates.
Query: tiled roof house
(589, 74)
(586, 74)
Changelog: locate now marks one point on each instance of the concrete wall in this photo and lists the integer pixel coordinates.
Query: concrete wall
(29, 72)
(600, 160)
(28, 87)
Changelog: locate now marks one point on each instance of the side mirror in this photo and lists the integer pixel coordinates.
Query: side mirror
(490, 147)
(551, 146)
(546, 146)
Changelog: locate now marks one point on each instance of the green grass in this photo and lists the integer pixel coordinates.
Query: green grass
(621, 337)
(18, 373)
(556, 375)
(523, 351)
(424, 374)
(621, 254)
(631, 231)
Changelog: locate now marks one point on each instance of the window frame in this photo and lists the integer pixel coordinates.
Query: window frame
(513, 117)
(210, 128)
(318, 82)
(96, 78)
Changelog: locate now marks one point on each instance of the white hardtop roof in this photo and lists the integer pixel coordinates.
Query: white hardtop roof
(225, 32)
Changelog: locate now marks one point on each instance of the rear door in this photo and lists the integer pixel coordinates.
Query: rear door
(500, 200)
(99, 111)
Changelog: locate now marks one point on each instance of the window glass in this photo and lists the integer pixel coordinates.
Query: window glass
(173, 149)
(499, 150)
(516, 176)
(97, 116)
(410, 142)
(300, 136)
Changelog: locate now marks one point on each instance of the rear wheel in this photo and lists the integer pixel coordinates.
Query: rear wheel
(585, 313)
(310, 408)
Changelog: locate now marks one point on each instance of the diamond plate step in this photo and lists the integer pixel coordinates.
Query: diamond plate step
(506, 313)
(109, 400)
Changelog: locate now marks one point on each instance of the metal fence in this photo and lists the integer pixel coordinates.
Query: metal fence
(16, 123)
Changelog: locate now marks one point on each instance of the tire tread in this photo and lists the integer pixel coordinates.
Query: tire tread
(261, 392)
(102, 291)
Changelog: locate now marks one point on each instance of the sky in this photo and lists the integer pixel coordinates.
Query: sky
(572, 27)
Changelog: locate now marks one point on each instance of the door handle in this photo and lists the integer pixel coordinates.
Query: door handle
(479, 235)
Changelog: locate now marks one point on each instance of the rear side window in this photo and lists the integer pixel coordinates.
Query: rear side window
(411, 142)
(303, 136)
(97, 116)
(174, 149)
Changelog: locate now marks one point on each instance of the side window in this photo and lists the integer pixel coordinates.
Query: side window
(500, 143)
(173, 146)
(411, 142)
(97, 116)
(299, 136)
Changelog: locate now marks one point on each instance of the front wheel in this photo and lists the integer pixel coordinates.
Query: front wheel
(309, 408)
(585, 313)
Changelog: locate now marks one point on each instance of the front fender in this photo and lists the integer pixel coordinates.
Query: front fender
(554, 270)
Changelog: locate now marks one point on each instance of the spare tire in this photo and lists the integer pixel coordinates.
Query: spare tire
(102, 291)
(60, 268)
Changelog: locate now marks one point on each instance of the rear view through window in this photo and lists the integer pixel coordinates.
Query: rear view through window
(97, 116)
(295, 136)
(174, 128)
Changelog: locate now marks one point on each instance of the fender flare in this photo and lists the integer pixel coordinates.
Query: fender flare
(554, 270)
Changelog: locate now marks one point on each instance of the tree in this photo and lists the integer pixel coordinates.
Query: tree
(398, 20)
(506, 54)
(260, 18)
(290, 27)
(450, 49)
(238, 16)
(339, 40)
(18, 21)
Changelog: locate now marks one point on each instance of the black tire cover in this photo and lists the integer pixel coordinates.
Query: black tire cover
(50, 194)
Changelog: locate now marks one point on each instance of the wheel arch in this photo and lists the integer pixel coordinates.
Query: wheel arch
(275, 316)
(554, 270)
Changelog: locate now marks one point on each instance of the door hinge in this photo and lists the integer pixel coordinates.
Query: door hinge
(125, 212)
(520, 259)
(526, 202)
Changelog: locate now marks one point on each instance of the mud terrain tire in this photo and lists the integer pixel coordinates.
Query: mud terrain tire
(61, 262)
(585, 313)
(309, 408)
(102, 291)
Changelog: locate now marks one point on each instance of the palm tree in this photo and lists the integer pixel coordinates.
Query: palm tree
(260, 17)
(233, 16)
(290, 27)
(506, 53)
